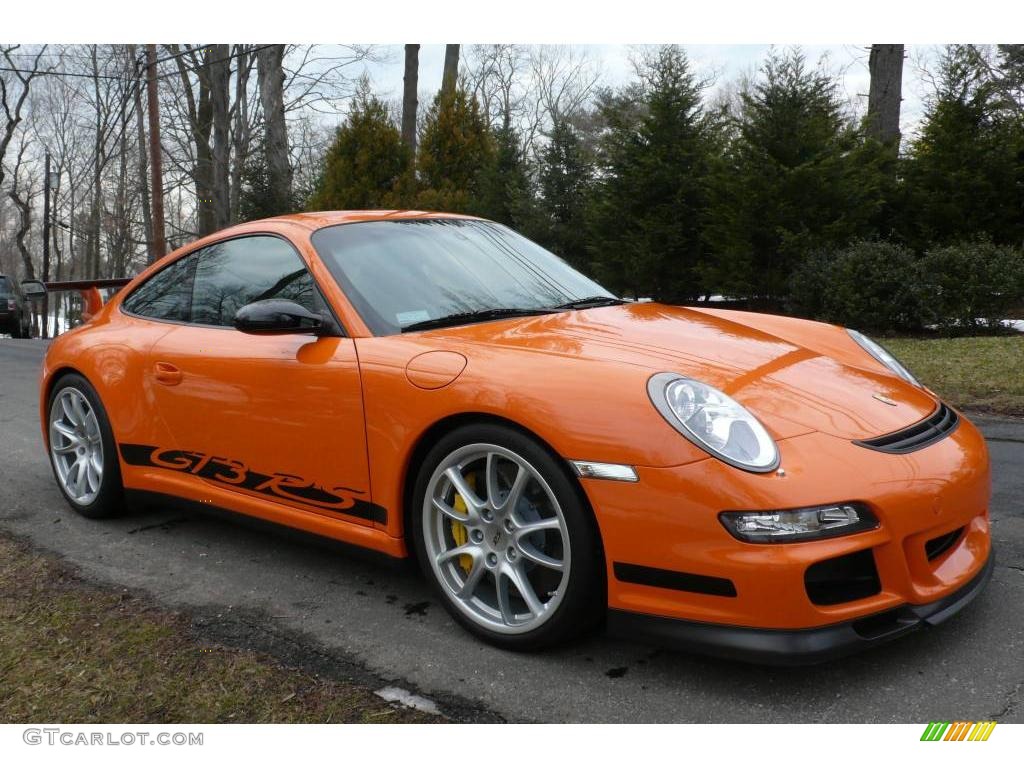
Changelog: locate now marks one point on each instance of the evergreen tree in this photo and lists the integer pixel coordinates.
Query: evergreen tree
(965, 169)
(257, 199)
(456, 150)
(506, 190)
(365, 163)
(797, 178)
(565, 177)
(650, 201)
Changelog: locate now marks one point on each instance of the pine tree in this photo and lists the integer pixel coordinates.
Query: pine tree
(365, 163)
(650, 201)
(456, 150)
(257, 198)
(565, 179)
(506, 189)
(797, 178)
(965, 169)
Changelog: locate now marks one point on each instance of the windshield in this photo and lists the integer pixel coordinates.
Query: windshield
(405, 273)
(4, 287)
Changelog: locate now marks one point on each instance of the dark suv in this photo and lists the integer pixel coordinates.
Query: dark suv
(15, 311)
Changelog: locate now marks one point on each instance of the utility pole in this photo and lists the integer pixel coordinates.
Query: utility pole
(46, 244)
(155, 161)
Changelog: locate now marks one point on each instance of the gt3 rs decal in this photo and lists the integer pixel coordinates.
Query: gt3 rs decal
(230, 472)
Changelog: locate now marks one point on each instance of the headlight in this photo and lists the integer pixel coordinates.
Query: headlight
(882, 355)
(713, 421)
(787, 525)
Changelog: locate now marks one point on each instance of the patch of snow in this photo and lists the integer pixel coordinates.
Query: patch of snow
(406, 698)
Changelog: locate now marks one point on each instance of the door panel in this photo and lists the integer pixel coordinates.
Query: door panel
(277, 416)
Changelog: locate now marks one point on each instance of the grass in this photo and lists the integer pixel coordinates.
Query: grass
(75, 652)
(984, 373)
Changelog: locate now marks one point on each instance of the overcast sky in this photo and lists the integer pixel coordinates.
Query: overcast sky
(725, 62)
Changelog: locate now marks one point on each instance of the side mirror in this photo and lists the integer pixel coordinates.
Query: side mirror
(277, 316)
(33, 289)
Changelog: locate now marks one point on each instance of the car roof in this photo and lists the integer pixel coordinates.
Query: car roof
(317, 219)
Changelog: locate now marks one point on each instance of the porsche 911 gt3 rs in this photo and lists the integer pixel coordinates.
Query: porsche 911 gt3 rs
(437, 386)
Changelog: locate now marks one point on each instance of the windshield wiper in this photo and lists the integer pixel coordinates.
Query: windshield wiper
(460, 318)
(590, 301)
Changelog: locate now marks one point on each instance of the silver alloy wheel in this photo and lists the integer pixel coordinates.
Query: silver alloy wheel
(76, 446)
(496, 538)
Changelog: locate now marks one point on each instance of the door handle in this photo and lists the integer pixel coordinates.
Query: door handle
(167, 374)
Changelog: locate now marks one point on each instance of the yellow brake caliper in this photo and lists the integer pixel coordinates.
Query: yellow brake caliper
(459, 532)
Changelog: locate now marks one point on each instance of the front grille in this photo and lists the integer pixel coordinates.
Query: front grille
(937, 547)
(842, 579)
(916, 436)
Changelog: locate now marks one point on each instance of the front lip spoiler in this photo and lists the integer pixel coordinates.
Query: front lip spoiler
(794, 647)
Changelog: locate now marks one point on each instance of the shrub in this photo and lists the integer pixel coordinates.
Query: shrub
(972, 284)
(869, 285)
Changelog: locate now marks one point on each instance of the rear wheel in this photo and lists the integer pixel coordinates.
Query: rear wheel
(82, 449)
(503, 533)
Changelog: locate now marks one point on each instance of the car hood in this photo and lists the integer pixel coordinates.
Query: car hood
(793, 387)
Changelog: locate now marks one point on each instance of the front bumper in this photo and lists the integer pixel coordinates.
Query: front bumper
(792, 647)
(671, 561)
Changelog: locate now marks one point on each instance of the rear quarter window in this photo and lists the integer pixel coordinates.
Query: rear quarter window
(166, 295)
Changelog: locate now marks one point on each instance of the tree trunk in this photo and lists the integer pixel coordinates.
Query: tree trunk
(95, 222)
(410, 100)
(451, 69)
(201, 128)
(885, 94)
(220, 83)
(143, 165)
(270, 73)
(242, 135)
(159, 248)
(24, 227)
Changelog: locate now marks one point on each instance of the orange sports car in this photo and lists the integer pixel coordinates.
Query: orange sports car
(439, 387)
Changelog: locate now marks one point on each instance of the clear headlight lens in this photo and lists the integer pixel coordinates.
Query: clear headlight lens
(882, 355)
(713, 421)
(787, 525)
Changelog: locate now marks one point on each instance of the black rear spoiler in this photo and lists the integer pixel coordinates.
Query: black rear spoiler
(90, 290)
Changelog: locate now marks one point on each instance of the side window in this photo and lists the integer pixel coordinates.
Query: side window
(234, 273)
(166, 295)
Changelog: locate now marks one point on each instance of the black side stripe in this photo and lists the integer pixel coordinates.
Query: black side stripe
(232, 473)
(679, 580)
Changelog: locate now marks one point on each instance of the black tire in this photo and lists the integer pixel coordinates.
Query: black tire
(109, 502)
(584, 603)
(16, 330)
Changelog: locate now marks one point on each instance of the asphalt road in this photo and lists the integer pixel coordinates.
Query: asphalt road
(307, 602)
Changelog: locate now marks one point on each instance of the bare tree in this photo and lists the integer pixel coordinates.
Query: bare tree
(13, 95)
(529, 88)
(886, 93)
(219, 73)
(22, 194)
(410, 95)
(142, 183)
(242, 125)
(270, 73)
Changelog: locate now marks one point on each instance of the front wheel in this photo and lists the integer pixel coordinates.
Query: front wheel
(82, 449)
(504, 534)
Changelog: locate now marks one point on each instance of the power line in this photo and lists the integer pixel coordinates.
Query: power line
(90, 76)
